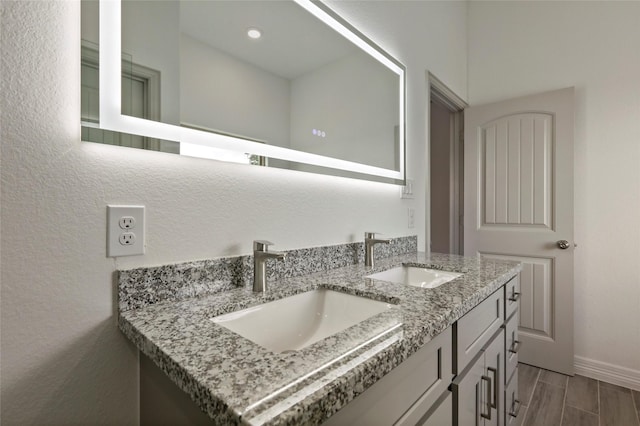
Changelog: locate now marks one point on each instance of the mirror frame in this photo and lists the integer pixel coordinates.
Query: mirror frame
(111, 117)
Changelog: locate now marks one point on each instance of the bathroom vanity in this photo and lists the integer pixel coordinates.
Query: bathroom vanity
(438, 355)
(462, 376)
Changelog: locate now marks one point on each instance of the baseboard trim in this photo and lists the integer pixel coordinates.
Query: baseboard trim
(606, 372)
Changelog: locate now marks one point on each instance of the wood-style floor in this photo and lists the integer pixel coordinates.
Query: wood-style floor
(552, 399)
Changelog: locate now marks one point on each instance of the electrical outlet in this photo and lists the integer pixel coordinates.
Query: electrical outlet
(125, 231)
(127, 238)
(127, 222)
(411, 217)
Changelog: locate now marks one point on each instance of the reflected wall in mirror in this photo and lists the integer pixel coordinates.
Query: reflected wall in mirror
(249, 80)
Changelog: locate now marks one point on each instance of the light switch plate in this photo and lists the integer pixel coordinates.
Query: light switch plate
(125, 231)
(407, 189)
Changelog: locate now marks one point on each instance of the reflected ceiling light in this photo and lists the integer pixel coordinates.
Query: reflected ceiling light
(254, 33)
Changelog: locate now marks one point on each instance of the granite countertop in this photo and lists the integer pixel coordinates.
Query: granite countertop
(235, 381)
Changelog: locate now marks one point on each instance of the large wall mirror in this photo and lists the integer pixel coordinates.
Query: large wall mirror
(273, 83)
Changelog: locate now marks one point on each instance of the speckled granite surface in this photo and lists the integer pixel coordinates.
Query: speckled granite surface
(238, 382)
(145, 286)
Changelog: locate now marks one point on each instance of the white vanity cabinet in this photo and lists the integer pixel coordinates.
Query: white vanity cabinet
(479, 391)
(414, 393)
(512, 346)
(467, 375)
(476, 328)
(478, 388)
(485, 346)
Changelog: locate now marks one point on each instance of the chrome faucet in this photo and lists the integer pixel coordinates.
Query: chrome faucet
(260, 255)
(369, 241)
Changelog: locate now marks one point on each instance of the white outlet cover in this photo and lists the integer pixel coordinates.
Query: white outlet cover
(114, 214)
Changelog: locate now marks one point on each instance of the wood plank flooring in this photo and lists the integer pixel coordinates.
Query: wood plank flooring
(552, 399)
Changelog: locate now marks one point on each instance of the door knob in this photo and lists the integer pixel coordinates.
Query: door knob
(563, 244)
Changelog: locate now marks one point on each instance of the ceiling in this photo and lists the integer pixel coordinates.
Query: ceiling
(293, 41)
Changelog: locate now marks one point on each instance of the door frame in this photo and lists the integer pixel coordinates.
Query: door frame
(149, 78)
(439, 92)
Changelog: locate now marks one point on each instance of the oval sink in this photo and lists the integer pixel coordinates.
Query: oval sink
(298, 321)
(414, 276)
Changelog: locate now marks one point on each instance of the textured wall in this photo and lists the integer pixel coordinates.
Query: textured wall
(594, 46)
(63, 360)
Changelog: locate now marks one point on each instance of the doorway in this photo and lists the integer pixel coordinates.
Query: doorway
(446, 169)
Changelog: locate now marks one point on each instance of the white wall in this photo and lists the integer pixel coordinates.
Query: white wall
(221, 92)
(519, 48)
(63, 359)
(355, 101)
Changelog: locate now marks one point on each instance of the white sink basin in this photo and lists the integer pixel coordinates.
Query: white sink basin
(417, 277)
(298, 321)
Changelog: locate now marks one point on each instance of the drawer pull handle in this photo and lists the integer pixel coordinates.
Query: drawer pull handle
(487, 379)
(516, 405)
(495, 388)
(515, 296)
(515, 347)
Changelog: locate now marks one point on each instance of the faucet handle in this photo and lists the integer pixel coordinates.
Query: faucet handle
(261, 245)
(370, 235)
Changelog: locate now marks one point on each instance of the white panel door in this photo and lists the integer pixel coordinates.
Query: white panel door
(519, 205)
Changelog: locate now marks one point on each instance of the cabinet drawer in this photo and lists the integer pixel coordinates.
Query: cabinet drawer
(512, 402)
(415, 385)
(511, 296)
(473, 331)
(439, 414)
(512, 345)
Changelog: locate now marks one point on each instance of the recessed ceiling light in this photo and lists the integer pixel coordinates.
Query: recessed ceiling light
(254, 33)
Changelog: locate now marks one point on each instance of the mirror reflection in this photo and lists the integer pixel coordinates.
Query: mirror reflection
(264, 71)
